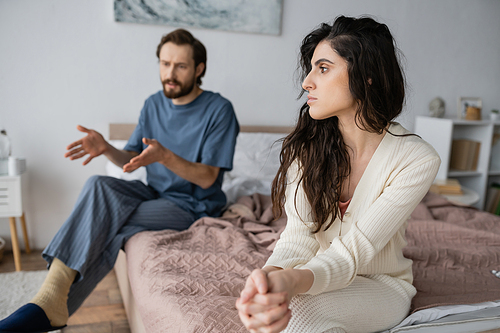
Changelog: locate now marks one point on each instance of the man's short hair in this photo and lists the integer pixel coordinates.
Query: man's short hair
(183, 37)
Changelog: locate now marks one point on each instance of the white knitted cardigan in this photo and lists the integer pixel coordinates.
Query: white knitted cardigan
(372, 235)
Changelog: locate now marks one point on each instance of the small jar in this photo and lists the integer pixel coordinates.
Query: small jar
(494, 116)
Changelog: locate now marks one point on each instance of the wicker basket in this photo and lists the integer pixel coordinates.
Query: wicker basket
(2, 247)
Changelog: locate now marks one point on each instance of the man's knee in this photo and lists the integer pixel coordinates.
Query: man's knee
(98, 181)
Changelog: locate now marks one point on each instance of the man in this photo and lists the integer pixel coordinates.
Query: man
(185, 137)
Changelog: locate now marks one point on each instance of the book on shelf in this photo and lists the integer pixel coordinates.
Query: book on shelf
(446, 186)
(493, 199)
(464, 155)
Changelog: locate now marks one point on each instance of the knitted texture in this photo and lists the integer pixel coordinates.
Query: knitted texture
(371, 239)
(369, 304)
(53, 294)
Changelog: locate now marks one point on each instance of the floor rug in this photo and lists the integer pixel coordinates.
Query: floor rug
(17, 289)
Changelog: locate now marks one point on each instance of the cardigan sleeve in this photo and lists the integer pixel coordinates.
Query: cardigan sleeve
(297, 244)
(337, 267)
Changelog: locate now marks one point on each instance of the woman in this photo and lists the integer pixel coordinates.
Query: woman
(348, 181)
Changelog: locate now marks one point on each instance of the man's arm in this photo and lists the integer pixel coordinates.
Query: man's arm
(94, 145)
(119, 157)
(199, 174)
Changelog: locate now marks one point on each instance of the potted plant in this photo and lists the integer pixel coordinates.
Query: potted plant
(495, 115)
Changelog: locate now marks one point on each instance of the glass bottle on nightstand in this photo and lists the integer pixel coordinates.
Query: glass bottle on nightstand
(4, 152)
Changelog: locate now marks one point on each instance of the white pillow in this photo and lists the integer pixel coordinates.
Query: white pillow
(117, 172)
(256, 162)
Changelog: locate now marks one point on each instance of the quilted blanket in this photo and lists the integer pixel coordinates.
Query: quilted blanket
(454, 251)
(189, 281)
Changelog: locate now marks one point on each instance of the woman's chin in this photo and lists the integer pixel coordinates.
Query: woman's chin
(318, 116)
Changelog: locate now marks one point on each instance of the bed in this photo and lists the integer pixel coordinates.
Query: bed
(189, 281)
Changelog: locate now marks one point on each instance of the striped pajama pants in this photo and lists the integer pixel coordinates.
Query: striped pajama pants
(107, 213)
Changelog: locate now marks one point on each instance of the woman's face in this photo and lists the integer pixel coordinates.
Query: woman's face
(328, 85)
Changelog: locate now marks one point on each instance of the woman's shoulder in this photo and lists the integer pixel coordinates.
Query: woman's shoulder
(410, 144)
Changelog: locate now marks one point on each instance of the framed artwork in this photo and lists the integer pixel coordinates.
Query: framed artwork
(254, 16)
(465, 102)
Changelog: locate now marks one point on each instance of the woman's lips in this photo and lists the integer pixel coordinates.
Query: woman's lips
(310, 99)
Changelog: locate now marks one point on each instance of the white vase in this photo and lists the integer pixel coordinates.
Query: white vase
(494, 116)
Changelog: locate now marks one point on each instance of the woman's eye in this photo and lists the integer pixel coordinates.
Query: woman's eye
(322, 69)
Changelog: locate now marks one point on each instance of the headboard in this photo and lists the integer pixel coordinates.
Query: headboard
(124, 131)
(120, 131)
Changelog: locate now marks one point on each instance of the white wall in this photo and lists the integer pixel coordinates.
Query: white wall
(66, 62)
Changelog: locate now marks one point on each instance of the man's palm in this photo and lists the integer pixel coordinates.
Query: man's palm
(93, 144)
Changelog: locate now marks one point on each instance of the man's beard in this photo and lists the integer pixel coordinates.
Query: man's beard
(185, 88)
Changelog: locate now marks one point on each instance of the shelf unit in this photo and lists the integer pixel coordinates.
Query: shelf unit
(440, 132)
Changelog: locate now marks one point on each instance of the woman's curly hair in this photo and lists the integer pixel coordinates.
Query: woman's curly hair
(376, 82)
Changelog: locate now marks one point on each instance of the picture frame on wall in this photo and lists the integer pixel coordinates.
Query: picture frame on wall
(465, 102)
(251, 16)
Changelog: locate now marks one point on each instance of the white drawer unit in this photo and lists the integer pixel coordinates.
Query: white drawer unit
(11, 206)
(10, 196)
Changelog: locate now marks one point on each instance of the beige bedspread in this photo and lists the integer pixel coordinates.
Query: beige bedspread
(189, 281)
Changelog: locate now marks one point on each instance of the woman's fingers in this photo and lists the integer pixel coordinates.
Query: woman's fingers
(259, 310)
(273, 320)
(245, 319)
(260, 303)
(268, 317)
(280, 324)
(247, 293)
(259, 277)
(252, 308)
(270, 298)
(251, 285)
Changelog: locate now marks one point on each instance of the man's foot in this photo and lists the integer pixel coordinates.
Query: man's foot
(28, 318)
(52, 298)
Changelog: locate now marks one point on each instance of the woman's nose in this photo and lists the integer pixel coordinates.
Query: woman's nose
(307, 84)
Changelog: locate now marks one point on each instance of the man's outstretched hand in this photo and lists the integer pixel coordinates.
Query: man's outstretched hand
(155, 152)
(93, 144)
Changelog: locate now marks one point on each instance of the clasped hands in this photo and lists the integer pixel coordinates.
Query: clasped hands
(95, 145)
(263, 305)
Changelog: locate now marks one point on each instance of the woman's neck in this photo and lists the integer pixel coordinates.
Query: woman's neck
(361, 148)
(360, 142)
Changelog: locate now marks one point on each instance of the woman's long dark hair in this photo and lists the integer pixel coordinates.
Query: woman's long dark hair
(376, 82)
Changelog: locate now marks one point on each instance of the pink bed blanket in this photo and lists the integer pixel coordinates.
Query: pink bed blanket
(454, 249)
(189, 281)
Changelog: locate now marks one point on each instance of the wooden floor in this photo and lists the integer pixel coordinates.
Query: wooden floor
(102, 311)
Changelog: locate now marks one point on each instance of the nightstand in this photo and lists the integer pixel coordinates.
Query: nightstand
(11, 206)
